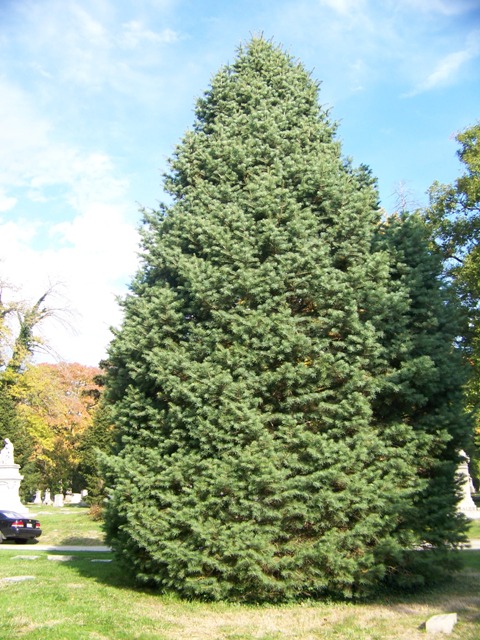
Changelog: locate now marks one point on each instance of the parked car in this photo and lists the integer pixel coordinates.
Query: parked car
(14, 526)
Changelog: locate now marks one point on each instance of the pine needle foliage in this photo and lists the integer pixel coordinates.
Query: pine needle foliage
(253, 462)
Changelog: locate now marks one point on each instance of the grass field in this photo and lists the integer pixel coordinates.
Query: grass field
(80, 596)
(68, 525)
(474, 531)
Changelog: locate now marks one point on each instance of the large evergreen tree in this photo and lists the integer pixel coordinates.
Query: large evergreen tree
(422, 389)
(255, 459)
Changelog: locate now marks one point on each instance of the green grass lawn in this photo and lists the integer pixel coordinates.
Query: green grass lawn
(79, 596)
(74, 598)
(70, 525)
(474, 531)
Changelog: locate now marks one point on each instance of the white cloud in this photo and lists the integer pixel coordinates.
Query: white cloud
(443, 7)
(95, 256)
(86, 44)
(34, 156)
(15, 237)
(447, 68)
(6, 202)
(101, 235)
(89, 29)
(135, 34)
(91, 250)
(61, 174)
(22, 132)
(344, 7)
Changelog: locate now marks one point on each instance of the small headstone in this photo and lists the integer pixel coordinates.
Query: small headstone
(17, 579)
(442, 623)
(38, 497)
(60, 558)
(46, 498)
(73, 498)
(98, 560)
(58, 500)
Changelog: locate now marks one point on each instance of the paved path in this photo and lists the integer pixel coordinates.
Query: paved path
(47, 547)
(473, 544)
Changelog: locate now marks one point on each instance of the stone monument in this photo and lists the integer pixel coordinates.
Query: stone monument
(10, 479)
(466, 505)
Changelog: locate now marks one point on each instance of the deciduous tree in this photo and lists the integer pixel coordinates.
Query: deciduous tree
(55, 404)
(19, 340)
(454, 218)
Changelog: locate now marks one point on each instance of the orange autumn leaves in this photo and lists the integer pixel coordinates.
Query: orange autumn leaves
(56, 403)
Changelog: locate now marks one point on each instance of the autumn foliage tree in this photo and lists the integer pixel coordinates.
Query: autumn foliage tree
(56, 405)
(20, 339)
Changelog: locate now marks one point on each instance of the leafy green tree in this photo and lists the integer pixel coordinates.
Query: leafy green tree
(56, 404)
(12, 427)
(18, 339)
(254, 457)
(19, 321)
(454, 217)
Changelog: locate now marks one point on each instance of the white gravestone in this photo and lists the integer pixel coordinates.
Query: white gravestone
(73, 498)
(38, 497)
(10, 479)
(466, 505)
(441, 623)
(58, 500)
(46, 498)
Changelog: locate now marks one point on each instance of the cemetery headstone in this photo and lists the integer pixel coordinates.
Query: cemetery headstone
(10, 480)
(466, 505)
(441, 623)
(58, 500)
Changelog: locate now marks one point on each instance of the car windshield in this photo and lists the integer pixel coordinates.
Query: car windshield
(11, 514)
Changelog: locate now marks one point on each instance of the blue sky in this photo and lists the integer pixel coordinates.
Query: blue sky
(95, 94)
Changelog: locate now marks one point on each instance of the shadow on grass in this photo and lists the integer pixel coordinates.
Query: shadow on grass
(19, 543)
(99, 566)
(460, 594)
(76, 541)
(82, 541)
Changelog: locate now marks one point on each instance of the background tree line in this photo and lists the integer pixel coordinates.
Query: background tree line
(49, 411)
(453, 219)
